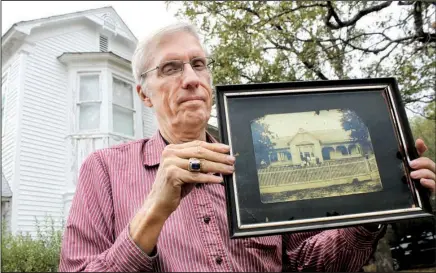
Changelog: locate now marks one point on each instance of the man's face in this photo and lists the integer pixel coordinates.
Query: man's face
(181, 101)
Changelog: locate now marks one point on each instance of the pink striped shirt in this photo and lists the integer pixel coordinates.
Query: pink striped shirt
(113, 184)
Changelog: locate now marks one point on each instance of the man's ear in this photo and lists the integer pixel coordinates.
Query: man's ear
(144, 98)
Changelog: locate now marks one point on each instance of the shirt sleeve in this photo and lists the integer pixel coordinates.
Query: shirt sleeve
(336, 250)
(89, 243)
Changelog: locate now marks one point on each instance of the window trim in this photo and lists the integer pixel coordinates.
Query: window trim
(78, 102)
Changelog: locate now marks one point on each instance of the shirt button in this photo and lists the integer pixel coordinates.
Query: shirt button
(206, 219)
(219, 260)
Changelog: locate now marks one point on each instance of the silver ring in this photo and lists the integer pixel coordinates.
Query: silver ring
(194, 165)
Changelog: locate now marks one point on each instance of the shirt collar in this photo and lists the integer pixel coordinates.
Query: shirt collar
(154, 147)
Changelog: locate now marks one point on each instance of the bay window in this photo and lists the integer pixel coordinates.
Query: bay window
(104, 102)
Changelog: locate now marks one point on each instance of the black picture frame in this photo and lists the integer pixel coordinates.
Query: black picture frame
(253, 206)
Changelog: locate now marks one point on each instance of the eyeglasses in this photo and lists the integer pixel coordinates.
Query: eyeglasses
(176, 67)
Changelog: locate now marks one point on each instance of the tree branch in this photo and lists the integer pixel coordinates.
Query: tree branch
(250, 79)
(340, 24)
(286, 11)
(378, 50)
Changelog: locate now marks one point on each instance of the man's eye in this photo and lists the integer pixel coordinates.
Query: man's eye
(198, 64)
(170, 68)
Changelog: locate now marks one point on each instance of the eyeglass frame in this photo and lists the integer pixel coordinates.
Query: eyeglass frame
(211, 61)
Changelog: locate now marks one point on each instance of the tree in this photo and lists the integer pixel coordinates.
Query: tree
(261, 142)
(269, 41)
(359, 132)
(426, 130)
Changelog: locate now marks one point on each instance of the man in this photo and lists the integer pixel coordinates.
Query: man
(149, 206)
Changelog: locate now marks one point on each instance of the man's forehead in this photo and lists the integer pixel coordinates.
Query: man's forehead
(178, 46)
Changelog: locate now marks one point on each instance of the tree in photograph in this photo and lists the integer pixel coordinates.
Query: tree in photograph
(359, 132)
(261, 142)
(270, 41)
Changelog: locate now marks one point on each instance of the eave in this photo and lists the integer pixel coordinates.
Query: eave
(71, 58)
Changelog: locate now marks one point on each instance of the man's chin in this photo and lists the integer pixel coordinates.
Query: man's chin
(195, 117)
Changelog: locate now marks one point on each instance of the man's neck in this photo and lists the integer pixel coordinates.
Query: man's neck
(182, 137)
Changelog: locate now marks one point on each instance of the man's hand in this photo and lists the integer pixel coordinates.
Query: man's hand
(174, 181)
(424, 168)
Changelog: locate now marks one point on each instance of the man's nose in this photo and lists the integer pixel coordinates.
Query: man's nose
(190, 77)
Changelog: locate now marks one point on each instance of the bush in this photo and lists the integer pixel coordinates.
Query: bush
(25, 253)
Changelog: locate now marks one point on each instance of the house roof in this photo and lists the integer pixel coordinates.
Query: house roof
(324, 136)
(332, 136)
(6, 190)
(103, 15)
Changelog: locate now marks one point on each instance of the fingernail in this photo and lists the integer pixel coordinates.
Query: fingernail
(231, 168)
(413, 174)
(412, 163)
(231, 158)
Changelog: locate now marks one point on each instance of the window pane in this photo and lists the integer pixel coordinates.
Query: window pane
(123, 120)
(122, 93)
(89, 116)
(89, 87)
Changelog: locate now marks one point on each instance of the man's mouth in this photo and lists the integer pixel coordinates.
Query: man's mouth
(197, 98)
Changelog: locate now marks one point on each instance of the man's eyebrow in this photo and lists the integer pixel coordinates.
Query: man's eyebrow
(179, 57)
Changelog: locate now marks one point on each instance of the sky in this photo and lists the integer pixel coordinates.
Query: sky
(326, 120)
(142, 17)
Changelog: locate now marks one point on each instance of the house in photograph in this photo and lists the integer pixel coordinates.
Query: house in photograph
(314, 147)
(67, 90)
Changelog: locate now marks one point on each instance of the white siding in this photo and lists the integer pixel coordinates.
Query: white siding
(11, 120)
(121, 48)
(44, 127)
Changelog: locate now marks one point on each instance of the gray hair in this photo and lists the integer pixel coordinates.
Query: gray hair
(146, 48)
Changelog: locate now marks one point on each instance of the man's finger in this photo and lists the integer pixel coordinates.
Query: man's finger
(206, 165)
(420, 146)
(429, 184)
(203, 153)
(217, 147)
(423, 163)
(197, 177)
(423, 173)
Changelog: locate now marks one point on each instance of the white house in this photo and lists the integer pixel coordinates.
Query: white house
(67, 90)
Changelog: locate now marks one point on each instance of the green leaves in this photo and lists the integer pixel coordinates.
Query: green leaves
(267, 41)
(23, 253)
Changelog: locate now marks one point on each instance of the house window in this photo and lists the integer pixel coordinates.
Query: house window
(89, 102)
(104, 43)
(122, 107)
(4, 91)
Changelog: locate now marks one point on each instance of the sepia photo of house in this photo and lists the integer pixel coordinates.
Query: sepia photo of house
(311, 155)
(314, 147)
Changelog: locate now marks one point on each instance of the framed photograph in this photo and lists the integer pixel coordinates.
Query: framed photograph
(317, 155)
